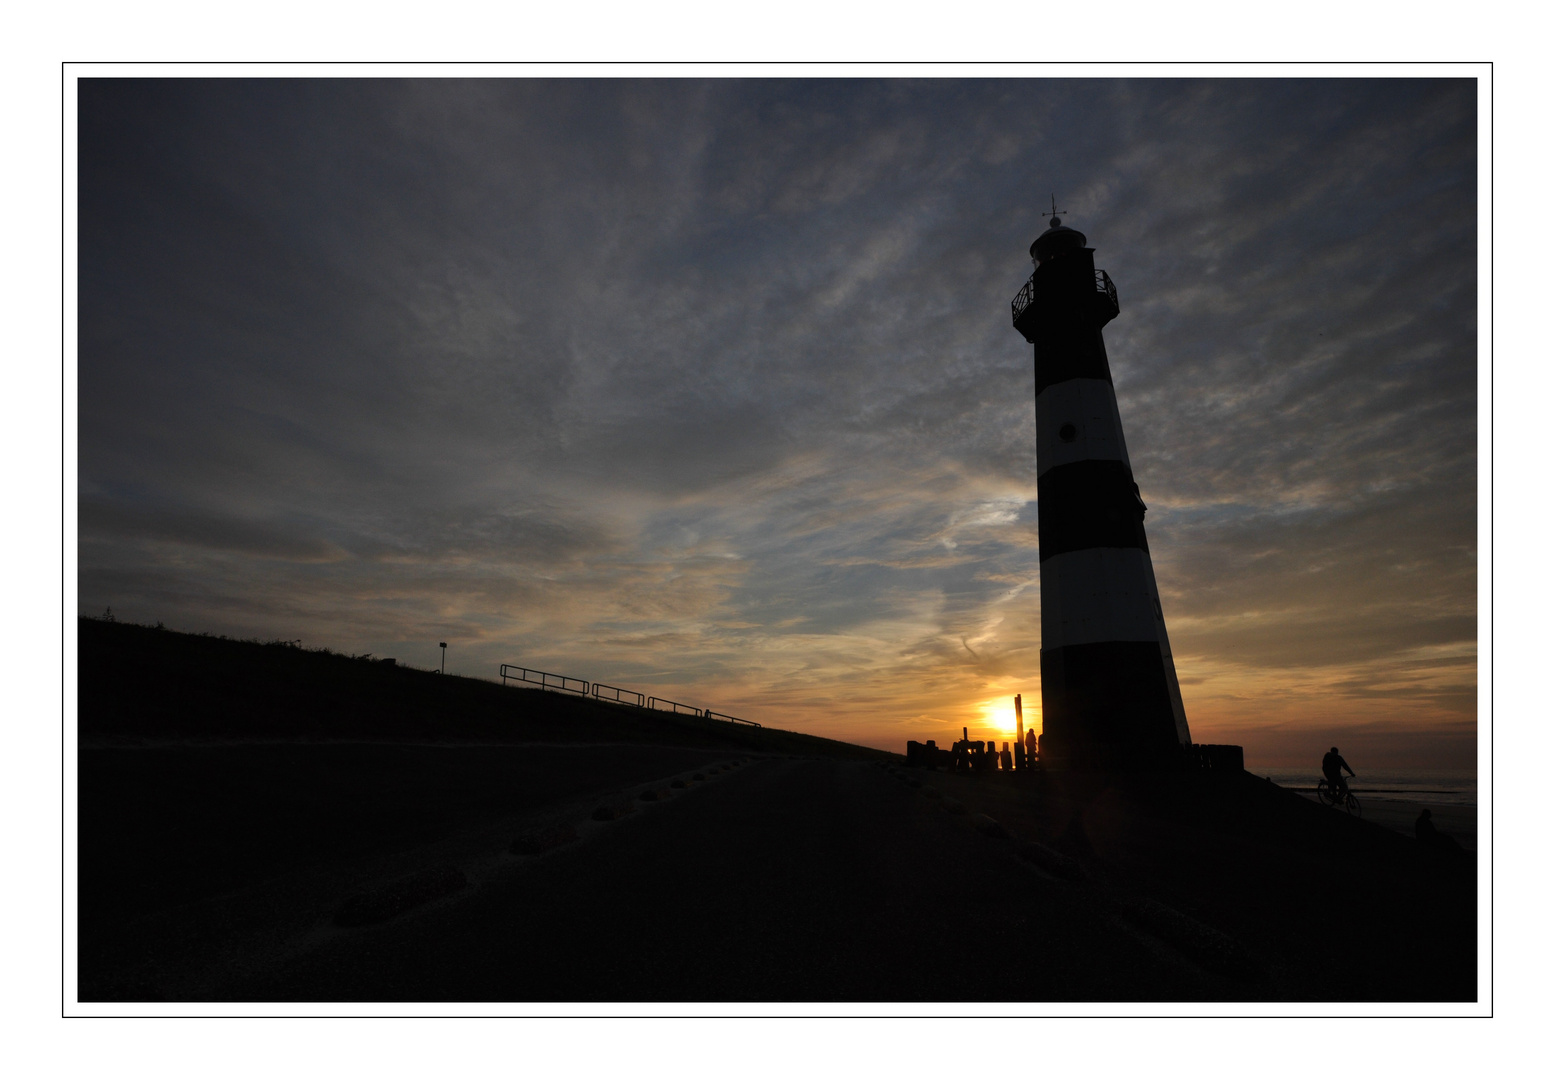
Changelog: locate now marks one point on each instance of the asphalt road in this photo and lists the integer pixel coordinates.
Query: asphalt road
(781, 880)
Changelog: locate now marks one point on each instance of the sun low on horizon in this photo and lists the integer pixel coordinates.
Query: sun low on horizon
(998, 715)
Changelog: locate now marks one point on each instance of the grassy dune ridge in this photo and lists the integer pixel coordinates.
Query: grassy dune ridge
(147, 682)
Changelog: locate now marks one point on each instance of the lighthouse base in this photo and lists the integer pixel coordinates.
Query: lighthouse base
(1089, 755)
(1107, 705)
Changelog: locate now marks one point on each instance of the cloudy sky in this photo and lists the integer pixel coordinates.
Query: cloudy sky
(709, 388)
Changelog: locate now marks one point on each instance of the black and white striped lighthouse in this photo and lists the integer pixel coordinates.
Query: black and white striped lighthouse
(1109, 687)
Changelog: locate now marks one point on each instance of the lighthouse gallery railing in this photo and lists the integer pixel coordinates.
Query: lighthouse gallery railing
(1028, 293)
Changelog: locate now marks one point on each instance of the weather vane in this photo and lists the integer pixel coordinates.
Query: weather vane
(1056, 211)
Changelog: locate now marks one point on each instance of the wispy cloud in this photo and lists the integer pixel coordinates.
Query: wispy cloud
(711, 385)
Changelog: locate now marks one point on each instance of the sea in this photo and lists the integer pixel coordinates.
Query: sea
(1394, 798)
(1433, 789)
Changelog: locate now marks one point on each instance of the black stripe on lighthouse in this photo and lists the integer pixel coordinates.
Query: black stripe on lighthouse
(1069, 351)
(1089, 504)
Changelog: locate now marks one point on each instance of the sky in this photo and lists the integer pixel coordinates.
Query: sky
(708, 388)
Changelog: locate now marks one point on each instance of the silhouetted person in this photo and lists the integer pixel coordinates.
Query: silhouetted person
(1426, 832)
(1332, 764)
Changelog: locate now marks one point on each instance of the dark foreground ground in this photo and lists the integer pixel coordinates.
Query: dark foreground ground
(326, 865)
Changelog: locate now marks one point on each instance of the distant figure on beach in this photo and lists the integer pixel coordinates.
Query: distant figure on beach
(1332, 764)
(1427, 834)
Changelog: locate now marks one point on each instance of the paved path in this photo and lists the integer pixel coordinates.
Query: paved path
(783, 880)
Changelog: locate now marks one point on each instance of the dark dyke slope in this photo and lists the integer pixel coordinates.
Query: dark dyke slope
(233, 793)
(265, 823)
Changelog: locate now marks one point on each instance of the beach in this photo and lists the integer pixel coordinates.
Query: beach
(1394, 798)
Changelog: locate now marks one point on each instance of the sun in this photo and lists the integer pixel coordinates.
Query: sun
(998, 716)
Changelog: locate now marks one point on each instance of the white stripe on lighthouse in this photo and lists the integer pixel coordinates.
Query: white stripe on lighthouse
(1173, 691)
(1090, 406)
(1100, 594)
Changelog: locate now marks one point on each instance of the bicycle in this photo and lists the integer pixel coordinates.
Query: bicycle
(1329, 795)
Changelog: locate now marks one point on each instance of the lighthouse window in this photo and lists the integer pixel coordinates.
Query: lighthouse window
(1067, 433)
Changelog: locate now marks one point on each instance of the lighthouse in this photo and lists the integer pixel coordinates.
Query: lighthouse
(1109, 687)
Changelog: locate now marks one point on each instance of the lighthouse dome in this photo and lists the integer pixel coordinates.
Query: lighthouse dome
(1057, 240)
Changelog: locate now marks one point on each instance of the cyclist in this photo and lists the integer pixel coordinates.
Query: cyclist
(1332, 764)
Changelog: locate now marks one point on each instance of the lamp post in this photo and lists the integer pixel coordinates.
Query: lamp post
(443, 669)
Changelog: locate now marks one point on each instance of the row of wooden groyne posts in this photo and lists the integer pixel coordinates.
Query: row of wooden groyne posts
(547, 680)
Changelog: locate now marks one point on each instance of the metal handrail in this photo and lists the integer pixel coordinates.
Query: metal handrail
(1028, 293)
(547, 681)
(1105, 286)
(674, 706)
(1023, 299)
(617, 694)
